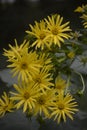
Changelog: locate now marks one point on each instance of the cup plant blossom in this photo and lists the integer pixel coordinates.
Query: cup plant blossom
(42, 64)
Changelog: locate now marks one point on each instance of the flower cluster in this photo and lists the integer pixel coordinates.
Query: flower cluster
(49, 31)
(83, 11)
(42, 65)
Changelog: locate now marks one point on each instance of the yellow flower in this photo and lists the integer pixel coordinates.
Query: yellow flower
(57, 31)
(71, 54)
(43, 80)
(26, 66)
(60, 83)
(25, 96)
(46, 61)
(85, 24)
(38, 31)
(79, 9)
(44, 101)
(16, 50)
(84, 17)
(64, 107)
(6, 105)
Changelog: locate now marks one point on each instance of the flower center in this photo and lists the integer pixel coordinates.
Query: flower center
(26, 95)
(59, 86)
(5, 107)
(38, 80)
(54, 31)
(24, 66)
(41, 101)
(42, 36)
(61, 106)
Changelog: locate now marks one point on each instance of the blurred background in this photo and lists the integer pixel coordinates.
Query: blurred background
(16, 15)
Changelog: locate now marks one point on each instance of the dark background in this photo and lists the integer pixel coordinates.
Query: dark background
(14, 20)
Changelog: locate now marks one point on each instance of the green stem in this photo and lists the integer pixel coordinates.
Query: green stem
(68, 84)
(83, 83)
